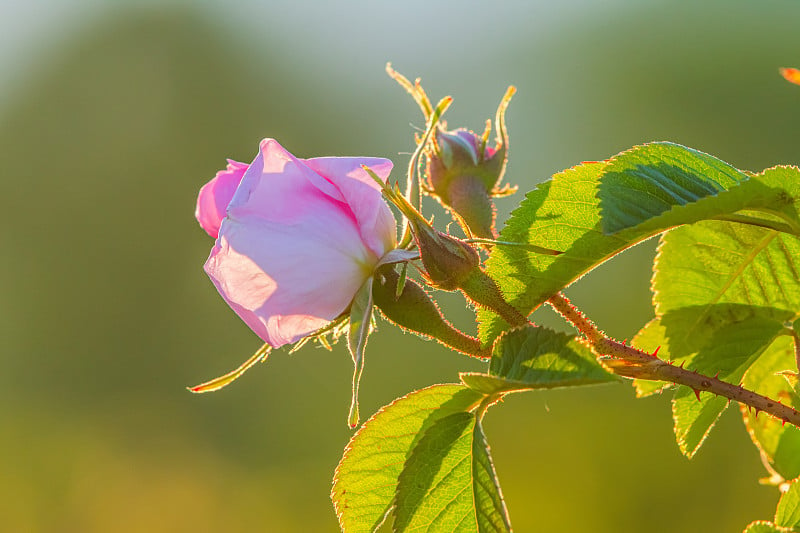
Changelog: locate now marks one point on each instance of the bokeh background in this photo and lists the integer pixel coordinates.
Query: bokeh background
(113, 114)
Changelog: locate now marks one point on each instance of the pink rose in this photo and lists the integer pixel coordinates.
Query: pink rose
(299, 238)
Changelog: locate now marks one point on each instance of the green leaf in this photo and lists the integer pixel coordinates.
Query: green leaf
(534, 357)
(728, 354)
(694, 418)
(778, 443)
(647, 181)
(449, 482)
(660, 183)
(561, 214)
(360, 325)
(713, 274)
(762, 526)
(564, 214)
(788, 512)
(722, 293)
(366, 478)
(715, 262)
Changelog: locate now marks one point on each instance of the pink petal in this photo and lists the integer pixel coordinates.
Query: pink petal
(363, 195)
(214, 197)
(277, 186)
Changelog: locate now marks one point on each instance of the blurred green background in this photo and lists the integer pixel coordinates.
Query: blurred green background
(113, 114)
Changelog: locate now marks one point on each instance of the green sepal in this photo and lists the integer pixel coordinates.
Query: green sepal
(223, 381)
(360, 324)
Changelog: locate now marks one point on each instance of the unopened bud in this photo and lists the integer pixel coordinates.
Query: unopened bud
(464, 173)
(448, 261)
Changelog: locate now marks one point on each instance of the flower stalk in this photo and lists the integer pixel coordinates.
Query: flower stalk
(411, 308)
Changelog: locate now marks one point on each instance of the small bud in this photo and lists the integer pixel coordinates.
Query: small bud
(448, 261)
(464, 173)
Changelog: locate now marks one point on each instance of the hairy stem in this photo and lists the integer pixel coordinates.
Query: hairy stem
(413, 309)
(631, 362)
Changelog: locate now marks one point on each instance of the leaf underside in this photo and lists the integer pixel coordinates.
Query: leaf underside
(723, 292)
(779, 443)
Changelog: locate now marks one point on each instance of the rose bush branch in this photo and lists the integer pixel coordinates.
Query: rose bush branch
(307, 250)
(630, 362)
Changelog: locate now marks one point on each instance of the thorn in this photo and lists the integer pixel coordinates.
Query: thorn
(716, 376)
(783, 422)
(757, 411)
(696, 393)
(625, 342)
(683, 363)
(655, 353)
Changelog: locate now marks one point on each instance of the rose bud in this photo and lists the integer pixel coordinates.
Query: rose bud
(464, 173)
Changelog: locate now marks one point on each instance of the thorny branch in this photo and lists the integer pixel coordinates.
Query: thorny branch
(631, 362)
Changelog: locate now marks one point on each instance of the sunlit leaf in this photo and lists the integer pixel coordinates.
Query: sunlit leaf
(647, 181)
(534, 357)
(564, 214)
(788, 512)
(728, 355)
(723, 291)
(662, 184)
(366, 478)
(779, 443)
(449, 482)
(762, 526)
(714, 262)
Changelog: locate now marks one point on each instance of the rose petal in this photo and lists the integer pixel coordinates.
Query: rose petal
(363, 195)
(214, 197)
(277, 185)
(288, 281)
